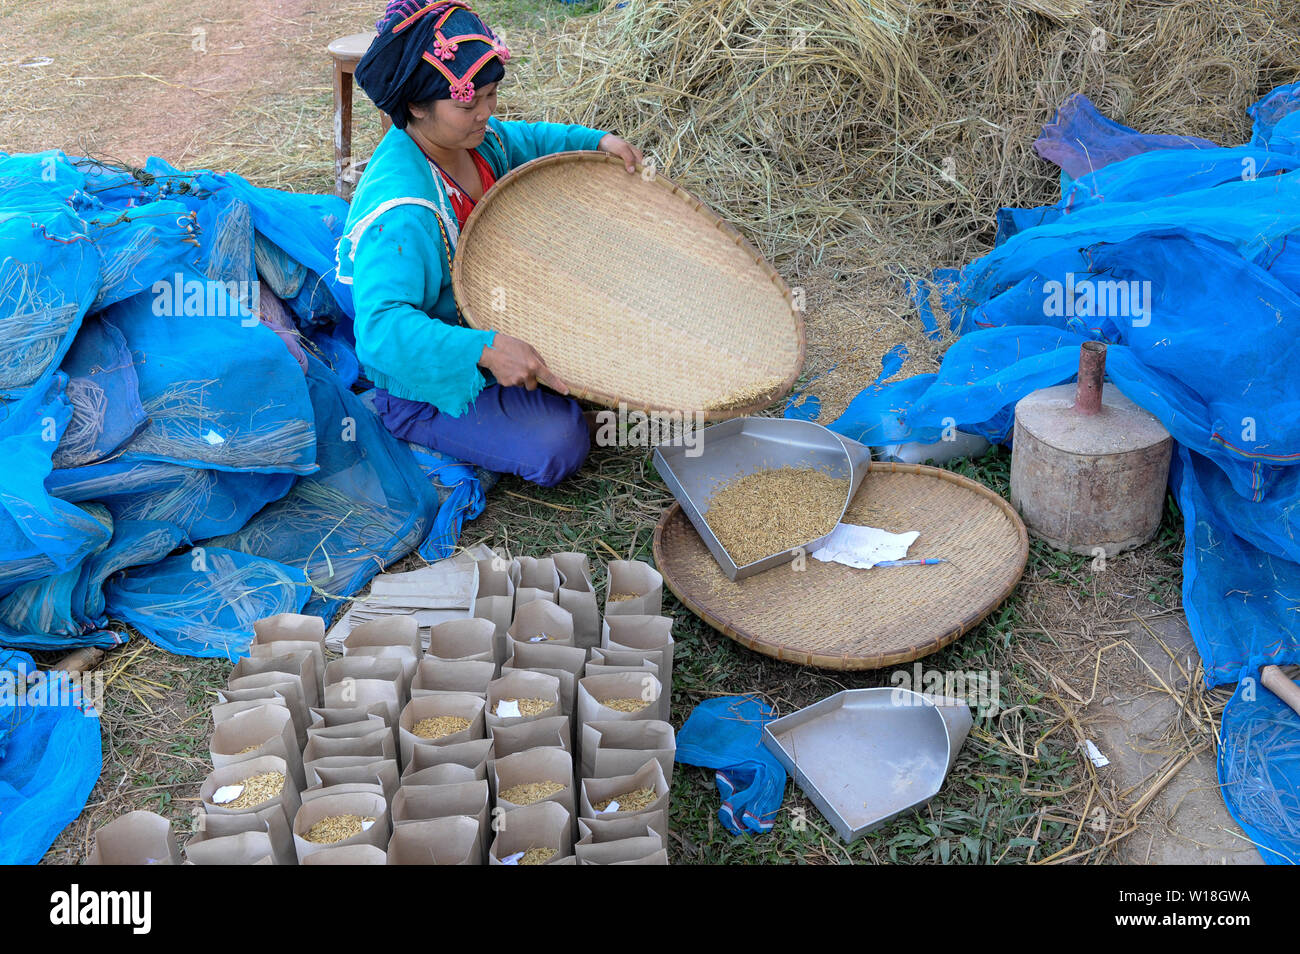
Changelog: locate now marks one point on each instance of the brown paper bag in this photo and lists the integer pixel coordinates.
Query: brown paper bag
(534, 765)
(382, 774)
(495, 600)
(595, 790)
(277, 812)
(639, 583)
(266, 730)
(473, 755)
(615, 825)
(362, 680)
(455, 840)
(346, 788)
(645, 634)
(299, 665)
(394, 637)
(522, 684)
(136, 838)
(551, 732)
(346, 768)
(610, 749)
(237, 848)
(313, 670)
(594, 690)
(359, 723)
(291, 626)
(538, 580)
(426, 802)
(578, 596)
(363, 804)
(348, 855)
(328, 717)
(268, 686)
(221, 711)
(626, 843)
(375, 744)
(461, 705)
(452, 675)
(465, 640)
(448, 773)
(401, 631)
(565, 663)
(544, 825)
(541, 621)
(296, 631)
(660, 857)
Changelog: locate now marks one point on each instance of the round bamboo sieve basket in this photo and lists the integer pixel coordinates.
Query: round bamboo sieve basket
(836, 617)
(632, 290)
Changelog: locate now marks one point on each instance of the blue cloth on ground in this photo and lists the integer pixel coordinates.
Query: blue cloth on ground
(539, 435)
(1187, 262)
(726, 734)
(50, 757)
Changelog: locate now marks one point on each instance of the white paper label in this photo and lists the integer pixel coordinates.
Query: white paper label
(512, 859)
(1098, 760)
(365, 825)
(213, 438)
(508, 709)
(227, 793)
(538, 639)
(611, 807)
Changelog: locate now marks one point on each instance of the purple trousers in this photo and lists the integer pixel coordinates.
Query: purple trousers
(538, 435)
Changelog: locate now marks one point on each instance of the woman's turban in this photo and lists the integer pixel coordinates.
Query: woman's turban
(428, 51)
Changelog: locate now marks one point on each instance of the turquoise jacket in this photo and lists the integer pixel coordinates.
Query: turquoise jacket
(396, 253)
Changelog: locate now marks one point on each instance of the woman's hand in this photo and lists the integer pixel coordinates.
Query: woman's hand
(617, 146)
(514, 362)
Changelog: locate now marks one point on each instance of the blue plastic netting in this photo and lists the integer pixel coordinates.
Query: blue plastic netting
(50, 757)
(182, 450)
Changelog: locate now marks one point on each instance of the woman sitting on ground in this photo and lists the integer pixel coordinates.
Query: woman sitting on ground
(473, 394)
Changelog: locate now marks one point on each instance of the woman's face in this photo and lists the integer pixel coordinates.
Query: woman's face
(451, 124)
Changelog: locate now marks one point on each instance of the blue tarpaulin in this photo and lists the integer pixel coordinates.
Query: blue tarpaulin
(183, 451)
(1185, 258)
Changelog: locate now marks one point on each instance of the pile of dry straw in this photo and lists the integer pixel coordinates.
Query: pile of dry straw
(855, 139)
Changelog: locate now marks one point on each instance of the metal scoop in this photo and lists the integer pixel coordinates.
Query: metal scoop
(746, 445)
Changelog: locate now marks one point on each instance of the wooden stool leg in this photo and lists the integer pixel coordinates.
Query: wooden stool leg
(342, 132)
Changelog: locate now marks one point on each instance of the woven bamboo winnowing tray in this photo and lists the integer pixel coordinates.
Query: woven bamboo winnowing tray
(836, 617)
(631, 289)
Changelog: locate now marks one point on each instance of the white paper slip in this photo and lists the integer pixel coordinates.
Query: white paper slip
(227, 793)
(508, 709)
(864, 547)
(611, 807)
(512, 859)
(1094, 753)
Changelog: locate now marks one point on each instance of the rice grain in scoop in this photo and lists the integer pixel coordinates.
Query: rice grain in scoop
(771, 511)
